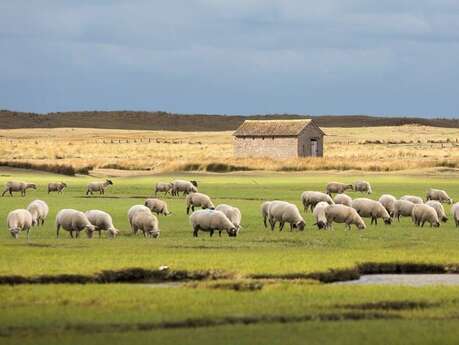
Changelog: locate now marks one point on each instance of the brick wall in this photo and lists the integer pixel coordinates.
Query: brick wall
(267, 147)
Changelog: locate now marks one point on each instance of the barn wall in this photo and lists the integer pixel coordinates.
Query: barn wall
(304, 142)
(279, 147)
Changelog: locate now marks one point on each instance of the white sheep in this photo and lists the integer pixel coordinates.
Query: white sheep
(39, 211)
(439, 195)
(157, 206)
(310, 199)
(264, 212)
(455, 212)
(403, 208)
(414, 199)
(388, 201)
(133, 210)
(210, 221)
(363, 186)
(343, 199)
(232, 213)
(438, 207)
(423, 213)
(98, 187)
(285, 212)
(19, 220)
(15, 186)
(186, 187)
(145, 222)
(319, 214)
(343, 214)
(56, 187)
(373, 209)
(337, 187)
(73, 221)
(102, 221)
(164, 187)
(198, 200)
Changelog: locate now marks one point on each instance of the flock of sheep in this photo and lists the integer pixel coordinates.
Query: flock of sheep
(326, 211)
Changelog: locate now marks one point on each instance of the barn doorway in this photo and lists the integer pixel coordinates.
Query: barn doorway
(314, 148)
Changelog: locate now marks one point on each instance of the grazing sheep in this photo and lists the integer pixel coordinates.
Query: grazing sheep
(388, 201)
(337, 187)
(310, 199)
(15, 186)
(423, 213)
(232, 213)
(133, 210)
(163, 187)
(363, 186)
(98, 187)
(264, 212)
(343, 214)
(373, 209)
(343, 199)
(102, 221)
(285, 212)
(186, 187)
(438, 207)
(403, 208)
(73, 221)
(158, 206)
(414, 199)
(210, 221)
(439, 195)
(198, 200)
(39, 211)
(19, 220)
(455, 212)
(319, 214)
(56, 187)
(145, 222)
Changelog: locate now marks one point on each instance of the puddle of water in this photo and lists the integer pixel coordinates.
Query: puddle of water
(405, 279)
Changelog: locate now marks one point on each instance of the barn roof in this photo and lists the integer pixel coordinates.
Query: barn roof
(279, 128)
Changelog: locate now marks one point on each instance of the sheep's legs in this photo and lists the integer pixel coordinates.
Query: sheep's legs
(57, 230)
(272, 223)
(281, 226)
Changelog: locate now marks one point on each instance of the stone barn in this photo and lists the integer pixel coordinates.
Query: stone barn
(279, 139)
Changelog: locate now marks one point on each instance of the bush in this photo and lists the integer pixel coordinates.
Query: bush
(63, 169)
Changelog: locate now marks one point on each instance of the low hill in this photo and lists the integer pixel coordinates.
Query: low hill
(192, 122)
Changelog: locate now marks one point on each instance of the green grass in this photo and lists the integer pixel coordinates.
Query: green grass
(117, 311)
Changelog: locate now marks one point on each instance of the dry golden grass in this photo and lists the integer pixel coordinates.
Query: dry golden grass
(400, 148)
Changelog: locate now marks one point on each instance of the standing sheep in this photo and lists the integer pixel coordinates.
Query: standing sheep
(337, 187)
(388, 201)
(56, 187)
(73, 221)
(158, 206)
(133, 210)
(438, 207)
(98, 187)
(186, 187)
(455, 212)
(414, 199)
(310, 199)
(210, 221)
(439, 195)
(368, 208)
(19, 220)
(15, 186)
(343, 199)
(145, 222)
(264, 212)
(198, 200)
(163, 187)
(285, 212)
(403, 208)
(423, 213)
(102, 221)
(363, 186)
(319, 214)
(39, 211)
(232, 213)
(343, 214)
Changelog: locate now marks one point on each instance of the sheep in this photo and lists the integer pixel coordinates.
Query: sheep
(232, 213)
(438, 207)
(198, 200)
(344, 214)
(39, 211)
(264, 212)
(363, 186)
(73, 221)
(210, 221)
(145, 222)
(439, 195)
(15, 186)
(284, 212)
(423, 213)
(158, 206)
(133, 210)
(414, 199)
(343, 199)
(102, 221)
(163, 187)
(337, 187)
(310, 199)
(371, 209)
(402, 208)
(319, 214)
(19, 220)
(98, 187)
(455, 212)
(186, 187)
(56, 187)
(388, 201)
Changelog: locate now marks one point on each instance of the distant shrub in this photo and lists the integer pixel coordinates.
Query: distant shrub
(63, 169)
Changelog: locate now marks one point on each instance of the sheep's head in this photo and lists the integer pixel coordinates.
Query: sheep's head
(436, 224)
(32, 185)
(90, 230)
(450, 201)
(64, 184)
(233, 232)
(388, 221)
(321, 224)
(299, 225)
(34, 222)
(15, 232)
(112, 232)
(361, 226)
(154, 233)
(109, 181)
(194, 183)
(350, 186)
(444, 219)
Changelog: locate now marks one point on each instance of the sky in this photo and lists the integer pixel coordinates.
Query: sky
(391, 57)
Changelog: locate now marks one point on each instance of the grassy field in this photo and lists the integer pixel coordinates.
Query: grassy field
(256, 310)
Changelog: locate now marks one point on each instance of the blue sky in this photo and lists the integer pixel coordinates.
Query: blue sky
(231, 57)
